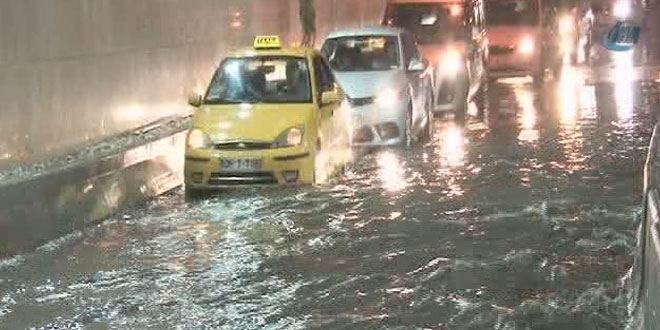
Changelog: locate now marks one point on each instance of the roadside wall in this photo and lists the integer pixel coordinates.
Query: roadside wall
(75, 71)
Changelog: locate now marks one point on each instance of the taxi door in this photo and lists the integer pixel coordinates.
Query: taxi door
(332, 129)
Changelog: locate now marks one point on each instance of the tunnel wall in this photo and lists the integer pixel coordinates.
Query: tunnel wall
(75, 71)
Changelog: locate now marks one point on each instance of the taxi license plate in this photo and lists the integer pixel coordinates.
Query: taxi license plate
(240, 164)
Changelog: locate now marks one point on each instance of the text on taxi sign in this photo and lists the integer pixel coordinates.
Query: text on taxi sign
(267, 42)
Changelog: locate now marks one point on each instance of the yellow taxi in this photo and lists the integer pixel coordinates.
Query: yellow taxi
(270, 115)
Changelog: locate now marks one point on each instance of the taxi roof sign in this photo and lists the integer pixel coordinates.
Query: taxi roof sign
(267, 42)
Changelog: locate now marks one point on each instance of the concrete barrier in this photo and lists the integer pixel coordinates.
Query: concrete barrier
(645, 300)
(72, 194)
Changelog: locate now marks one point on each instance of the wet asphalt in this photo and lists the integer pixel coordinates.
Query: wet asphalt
(522, 217)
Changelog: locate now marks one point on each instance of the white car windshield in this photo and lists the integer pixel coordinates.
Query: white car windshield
(261, 80)
(362, 53)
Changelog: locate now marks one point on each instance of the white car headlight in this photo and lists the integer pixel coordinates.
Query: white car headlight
(197, 139)
(387, 98)
(451, 62)
(290, 138)
(526, 46)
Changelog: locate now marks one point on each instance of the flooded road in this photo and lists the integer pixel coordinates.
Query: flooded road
(522, 218)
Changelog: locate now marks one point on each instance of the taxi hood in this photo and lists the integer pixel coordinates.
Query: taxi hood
(362, 84)
(251, 122)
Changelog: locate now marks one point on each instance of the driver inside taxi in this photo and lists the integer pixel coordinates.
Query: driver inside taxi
(294, 81)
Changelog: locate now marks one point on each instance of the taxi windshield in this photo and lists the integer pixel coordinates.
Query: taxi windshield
(430, 22)
(265, 79)
(362, 53)
(512, 12)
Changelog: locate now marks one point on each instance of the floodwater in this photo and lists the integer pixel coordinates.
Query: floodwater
(522, 218)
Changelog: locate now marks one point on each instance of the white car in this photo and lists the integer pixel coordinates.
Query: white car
(388, 85)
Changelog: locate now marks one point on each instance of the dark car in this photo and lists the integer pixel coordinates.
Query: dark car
(452, 37)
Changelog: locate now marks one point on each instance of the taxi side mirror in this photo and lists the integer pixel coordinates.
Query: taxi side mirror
(330, 97)
(195, 99)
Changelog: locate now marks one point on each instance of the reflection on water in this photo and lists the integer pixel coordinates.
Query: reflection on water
(623, 88)
(588, 104)
(568, 94)
(452, 147)
(525, 98)
(569, 87)
(391, 172)
(498, 229)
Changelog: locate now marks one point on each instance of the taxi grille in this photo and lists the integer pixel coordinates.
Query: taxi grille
(501, 50)
(242, 178)
(357, 102)
(243, 146)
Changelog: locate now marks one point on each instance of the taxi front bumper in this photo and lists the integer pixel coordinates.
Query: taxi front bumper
(204, 170)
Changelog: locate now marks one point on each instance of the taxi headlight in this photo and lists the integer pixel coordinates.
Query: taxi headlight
(290, 138)
(387, 98)
(451, 62)
(526, 46)
(197, 139)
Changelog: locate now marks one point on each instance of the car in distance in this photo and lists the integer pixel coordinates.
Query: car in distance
(452, 37)
(518, 41)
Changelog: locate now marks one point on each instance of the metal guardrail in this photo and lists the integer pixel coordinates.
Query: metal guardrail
(73, 192)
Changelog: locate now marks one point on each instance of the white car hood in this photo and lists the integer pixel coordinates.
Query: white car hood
(361, 84)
